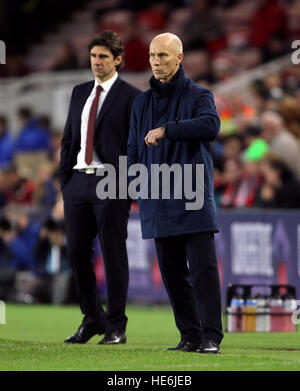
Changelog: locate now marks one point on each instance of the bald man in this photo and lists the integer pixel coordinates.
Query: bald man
(173, 123)
(282, 143)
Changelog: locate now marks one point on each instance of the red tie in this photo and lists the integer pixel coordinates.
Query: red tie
(91, 127)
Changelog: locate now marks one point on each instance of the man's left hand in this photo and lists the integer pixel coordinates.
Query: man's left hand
(154, 135)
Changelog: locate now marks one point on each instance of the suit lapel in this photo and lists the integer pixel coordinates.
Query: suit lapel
(111, 96)
(84, 94)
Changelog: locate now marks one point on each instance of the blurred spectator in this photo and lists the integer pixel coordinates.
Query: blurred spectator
(236, 185)
(65, 58)
(55, 141)
(177, 19)
(204, 29)
(153, 18)
(251, 177)
(136, 49)
(233, 146)
(14, 188)
(236, 115)
(20, 235)
(7, 271)
(51, 253)
(44, 193)
(256, 150)
(269, 19)
(6, 144)
(44, 122)
(197, 67)
(281, 142)
(290, 113)
(223, 67)
(51, 250)
(125, 24)
(280, 188)
(251, 133)
(26, 227)
(276, 46)
(14, 67)
(57, 212)
(228, 184)
(32, 136)
(273, 85)
(247, 57)
(38, 193)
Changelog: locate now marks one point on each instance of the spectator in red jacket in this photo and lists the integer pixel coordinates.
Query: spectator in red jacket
(269, 19)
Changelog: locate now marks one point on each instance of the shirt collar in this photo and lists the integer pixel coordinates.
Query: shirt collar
(108, 83)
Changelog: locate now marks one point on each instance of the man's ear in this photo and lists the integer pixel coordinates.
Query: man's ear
(118, 60)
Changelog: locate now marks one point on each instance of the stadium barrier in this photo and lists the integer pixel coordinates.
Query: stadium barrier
(253, 247)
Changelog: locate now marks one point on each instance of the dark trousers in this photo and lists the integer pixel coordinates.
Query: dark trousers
(87, 216)
(189, 271)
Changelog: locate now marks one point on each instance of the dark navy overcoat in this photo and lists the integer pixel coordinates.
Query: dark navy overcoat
(189, 114)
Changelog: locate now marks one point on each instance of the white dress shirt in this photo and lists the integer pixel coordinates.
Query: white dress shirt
(106, 86)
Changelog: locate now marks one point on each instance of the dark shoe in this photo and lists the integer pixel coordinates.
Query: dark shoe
(186, 346)
(209, 346)
(113, 338)
(84, 333)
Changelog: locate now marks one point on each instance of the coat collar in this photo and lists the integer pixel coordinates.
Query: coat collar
(169, 88)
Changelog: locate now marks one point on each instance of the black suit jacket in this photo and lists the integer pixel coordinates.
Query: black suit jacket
(111, 128)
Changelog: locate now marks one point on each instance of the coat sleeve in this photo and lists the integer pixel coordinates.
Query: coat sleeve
(132, 145)
(204, 126)
(63, 171)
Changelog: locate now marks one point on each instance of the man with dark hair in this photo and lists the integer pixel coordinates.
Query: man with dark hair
(112, 42)
(96, 133)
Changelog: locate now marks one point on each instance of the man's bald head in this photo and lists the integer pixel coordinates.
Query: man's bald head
(170, 40)
(166, 54)
(271, 124)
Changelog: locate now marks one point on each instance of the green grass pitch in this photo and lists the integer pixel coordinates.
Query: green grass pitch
(32, 340)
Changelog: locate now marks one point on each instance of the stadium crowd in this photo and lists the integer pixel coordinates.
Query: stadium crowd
(220, 37)
(256, 156)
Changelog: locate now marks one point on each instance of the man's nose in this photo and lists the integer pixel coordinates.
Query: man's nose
(98, 61)
(156, 61)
